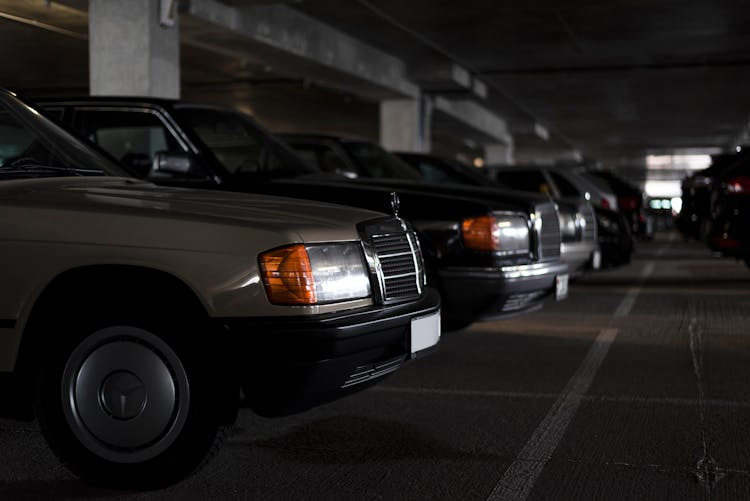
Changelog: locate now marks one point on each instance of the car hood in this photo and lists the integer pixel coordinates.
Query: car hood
(418, 201)
(490, 195)
(296, 220)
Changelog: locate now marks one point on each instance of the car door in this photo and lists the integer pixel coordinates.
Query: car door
(133, 135)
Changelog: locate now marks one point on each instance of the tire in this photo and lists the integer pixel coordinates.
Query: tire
(128, 400)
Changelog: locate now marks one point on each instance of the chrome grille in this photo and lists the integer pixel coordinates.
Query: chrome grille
(395, 259)
(397, 262)
(549, 237)
(589, 232)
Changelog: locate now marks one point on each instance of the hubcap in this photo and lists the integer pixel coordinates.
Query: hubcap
(125, 394)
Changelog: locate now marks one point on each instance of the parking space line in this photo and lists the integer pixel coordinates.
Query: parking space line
(447, 392)
(464, 393)
(518, 480)
(623, 310)
(521, 476)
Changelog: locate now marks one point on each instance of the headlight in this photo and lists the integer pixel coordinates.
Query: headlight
(571, 226)
(314, 274)
(607, 224)
(499, 232)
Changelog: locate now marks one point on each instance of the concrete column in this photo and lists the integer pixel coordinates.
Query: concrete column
(406, 125)
(498, 154)
(132, 49)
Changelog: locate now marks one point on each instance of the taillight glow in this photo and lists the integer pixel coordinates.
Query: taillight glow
(628, 202)
(739, 185)
(724, 242)
(605, 203)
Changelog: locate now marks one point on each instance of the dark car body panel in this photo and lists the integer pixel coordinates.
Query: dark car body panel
(729, 228)
(287, 365)
(436, 213)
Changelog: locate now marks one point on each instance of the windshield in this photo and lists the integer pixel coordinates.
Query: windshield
(439, 170)
(375, 162)
(33, 146)
(241, 146)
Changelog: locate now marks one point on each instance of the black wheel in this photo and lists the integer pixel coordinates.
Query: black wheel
(129, 402)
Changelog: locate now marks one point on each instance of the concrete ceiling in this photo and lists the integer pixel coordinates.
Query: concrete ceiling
(614, 79)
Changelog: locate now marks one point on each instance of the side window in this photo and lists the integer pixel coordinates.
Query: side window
(567, 189)
(18, 145)
(308, 155)
(433, 174)
(132, 137)
(331, 161)
(325, 158)
(532, 180)
(54, 113)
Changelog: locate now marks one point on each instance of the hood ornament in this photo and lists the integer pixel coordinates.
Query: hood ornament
(395, 203)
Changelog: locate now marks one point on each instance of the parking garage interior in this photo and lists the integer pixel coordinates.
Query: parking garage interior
(633, 387)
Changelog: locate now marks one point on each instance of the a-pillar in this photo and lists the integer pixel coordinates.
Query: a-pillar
(406, 125)
(498, 154)
(134, 48)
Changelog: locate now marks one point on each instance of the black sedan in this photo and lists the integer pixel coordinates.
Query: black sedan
(489, 257)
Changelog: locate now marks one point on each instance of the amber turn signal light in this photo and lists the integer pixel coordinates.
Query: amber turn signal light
(287, 276)
(480, 233)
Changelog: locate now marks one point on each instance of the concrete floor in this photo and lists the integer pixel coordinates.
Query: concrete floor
(619, 392)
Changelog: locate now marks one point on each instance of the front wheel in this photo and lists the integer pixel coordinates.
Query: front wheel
(129, 406)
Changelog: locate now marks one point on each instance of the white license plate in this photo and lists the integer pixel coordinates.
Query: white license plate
(596, 260)
(425, 332)
(561, 287)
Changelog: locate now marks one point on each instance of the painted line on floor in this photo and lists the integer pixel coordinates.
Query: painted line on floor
(523, 395)
(519, 479)
(626, 305)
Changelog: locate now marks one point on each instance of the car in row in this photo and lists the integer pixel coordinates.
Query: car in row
(490, 254)
(631, 202)
(197, 264)
(136, 319)
(716, 205)
(592, 234)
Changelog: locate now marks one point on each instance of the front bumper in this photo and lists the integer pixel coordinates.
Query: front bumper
(730, 237)
(616, 249)
(289, 364)
(474, 294)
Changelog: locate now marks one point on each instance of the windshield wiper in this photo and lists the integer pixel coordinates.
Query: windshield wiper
(42, 169)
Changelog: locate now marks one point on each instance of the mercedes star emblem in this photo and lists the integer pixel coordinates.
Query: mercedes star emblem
(395, 203)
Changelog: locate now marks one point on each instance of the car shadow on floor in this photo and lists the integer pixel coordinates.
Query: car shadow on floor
(355, 439)
(54, 490)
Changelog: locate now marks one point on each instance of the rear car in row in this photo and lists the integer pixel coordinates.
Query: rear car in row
(613, 236)
(728, 229)
(578, 223)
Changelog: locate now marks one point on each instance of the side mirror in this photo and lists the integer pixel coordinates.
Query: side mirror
(180, 164)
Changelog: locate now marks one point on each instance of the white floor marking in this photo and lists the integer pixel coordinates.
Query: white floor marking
(707, 470)
(632, 400)
(521, 476)
(518, 480)
(623, 310)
